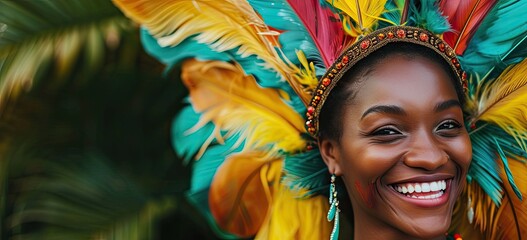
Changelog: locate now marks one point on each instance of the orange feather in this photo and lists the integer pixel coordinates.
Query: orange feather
(241, 192)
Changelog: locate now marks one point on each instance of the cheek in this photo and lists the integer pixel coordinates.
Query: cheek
(362, 167)
(461, 153)
(370, 162)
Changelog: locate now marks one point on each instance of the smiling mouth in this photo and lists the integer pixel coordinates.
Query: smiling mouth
(422, 190)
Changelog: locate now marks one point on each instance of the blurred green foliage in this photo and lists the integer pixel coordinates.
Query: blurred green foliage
(86, 153)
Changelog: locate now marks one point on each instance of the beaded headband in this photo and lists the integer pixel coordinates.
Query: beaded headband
(363, 48)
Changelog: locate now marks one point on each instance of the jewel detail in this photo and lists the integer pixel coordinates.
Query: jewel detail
(365, 44)
(345, 59)
(423, 37)
(326, 82)
(441, 47)
(400, 33)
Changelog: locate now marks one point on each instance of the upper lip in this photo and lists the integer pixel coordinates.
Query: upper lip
(424, 178)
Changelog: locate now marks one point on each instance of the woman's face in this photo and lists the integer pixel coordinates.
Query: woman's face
(404, 151)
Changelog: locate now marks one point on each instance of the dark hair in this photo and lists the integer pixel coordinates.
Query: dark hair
(330, 121)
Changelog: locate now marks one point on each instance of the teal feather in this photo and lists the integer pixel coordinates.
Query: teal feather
(171, 56)
(189, 48)
(392, 14)
(185, 145)
(428, 17)
(306, 170)
(188, 144)
(203, 171)
(508, 170)
(501, 40)
(487, 142)
(280, 15)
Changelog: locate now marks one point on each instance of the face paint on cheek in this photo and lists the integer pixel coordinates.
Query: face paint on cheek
(366, 193)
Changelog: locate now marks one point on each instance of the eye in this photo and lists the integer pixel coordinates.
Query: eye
(449, 128)
(447, 125)
(386, 135)
(386, 131)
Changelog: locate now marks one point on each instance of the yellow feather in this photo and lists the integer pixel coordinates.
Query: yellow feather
(504, 102)
(511, 218)
(492, 221)
(223, 25)
(294, 218)
(484, 210)
(360, 16)
(236, 104)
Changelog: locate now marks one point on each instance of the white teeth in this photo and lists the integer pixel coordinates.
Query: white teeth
(410, 188)
(425, 187)
(417, 188)
(434, 187)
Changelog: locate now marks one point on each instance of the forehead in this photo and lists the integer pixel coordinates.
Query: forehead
(403, 80)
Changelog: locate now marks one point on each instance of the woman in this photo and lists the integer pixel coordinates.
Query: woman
(384, 110)
(393, 129)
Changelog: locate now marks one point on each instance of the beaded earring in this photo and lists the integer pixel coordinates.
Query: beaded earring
(333, 213)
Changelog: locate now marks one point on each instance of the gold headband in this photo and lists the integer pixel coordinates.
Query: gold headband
(363, 48)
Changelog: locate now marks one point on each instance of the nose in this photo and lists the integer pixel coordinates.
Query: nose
(425, 153)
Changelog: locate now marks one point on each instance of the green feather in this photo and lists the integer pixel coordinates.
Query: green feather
(488, 143)
(392, 13)
(428, 17)
(501, 40)
(307, 171)
(508, 170)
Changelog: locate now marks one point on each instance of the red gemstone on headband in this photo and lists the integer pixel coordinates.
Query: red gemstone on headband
(464, 75)
(345, 59)
(310, 110)
(423, 37)
(390, 35)
(339, 66)
(441, 47)
(400, 33)
(365, 44)
(326, 81)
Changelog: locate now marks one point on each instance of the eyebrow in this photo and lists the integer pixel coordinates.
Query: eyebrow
(396, 110)
(446, 105)
(388, 109)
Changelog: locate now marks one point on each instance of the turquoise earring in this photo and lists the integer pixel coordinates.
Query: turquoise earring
(333, 213)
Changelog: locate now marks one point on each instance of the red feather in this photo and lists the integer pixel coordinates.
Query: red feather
(465, 18)
(324, 26)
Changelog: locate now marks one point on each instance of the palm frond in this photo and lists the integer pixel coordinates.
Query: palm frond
(35, 34)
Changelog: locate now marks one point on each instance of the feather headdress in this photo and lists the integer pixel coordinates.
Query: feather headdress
(251, 67)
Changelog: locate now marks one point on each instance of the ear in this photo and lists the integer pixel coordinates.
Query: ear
(329, 150)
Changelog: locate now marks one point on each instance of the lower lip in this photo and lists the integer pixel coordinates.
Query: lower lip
(427, 203)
